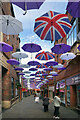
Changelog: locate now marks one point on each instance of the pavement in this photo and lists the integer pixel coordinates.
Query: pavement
(27, 108)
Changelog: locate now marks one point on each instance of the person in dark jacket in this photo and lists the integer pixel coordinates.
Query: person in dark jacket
(45, 103)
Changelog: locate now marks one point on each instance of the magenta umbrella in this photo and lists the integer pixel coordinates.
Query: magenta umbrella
(31, 47)
(13, 62)
(4, 47)
(45, 56)
(60, 48)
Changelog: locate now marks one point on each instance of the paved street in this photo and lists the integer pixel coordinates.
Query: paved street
(27, 108)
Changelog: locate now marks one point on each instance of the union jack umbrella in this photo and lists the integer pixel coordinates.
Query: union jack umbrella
(45, 56)
(52, 26)
(41, 66)
(40, 72)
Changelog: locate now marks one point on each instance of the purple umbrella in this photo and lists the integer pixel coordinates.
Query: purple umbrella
(48, 69)
(27, 72)
(23, 77)
(32, 69)
(78, 47)
(60, 48)
(32, 74)
(21, 74)
(73, 8)
(42, 78)
(13, 62)
(27, 4)
(31, 47)
(19, 69)
(4, 47)
(51, 63)
(45, 74)
(50, 78)
(63, 68)
(54, 74)
(33, 63)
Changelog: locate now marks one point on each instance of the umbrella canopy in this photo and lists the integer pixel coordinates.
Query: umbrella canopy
(60, 48)
(32, 69)
(73, 8)
(45, 74)
(19, 55)
(4, 47)
(78, 47)
(40, 72)
(45, 56)
(49, 76)
(63, 68)
(48, 69)
(59, 65)
(41, 66)
(31, 47)
(32, 74)
(23, 77)
(27, 5)
(33, 63)
(53, 72)
(21, 74)
(27, 72)
(67, 56)
(51, 63)
(9, 25)
(18, 68)
(52, 22)
(13, 62)
(24, 66)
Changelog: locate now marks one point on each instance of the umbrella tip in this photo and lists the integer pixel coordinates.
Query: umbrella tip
(25, 12)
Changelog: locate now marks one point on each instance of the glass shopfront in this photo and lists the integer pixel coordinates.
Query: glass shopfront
(78, 95)
(68, 94)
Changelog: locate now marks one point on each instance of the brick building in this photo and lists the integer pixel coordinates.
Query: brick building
(68, 80)
(10, 93)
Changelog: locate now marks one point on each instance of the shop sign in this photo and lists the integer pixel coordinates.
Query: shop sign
(73, 80)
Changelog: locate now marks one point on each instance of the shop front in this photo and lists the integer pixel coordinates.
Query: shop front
(73, 90)
(51, 91)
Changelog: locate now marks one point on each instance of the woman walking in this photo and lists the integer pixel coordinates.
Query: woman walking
(45, 103)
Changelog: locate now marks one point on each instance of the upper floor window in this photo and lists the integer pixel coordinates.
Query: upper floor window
(72, 35)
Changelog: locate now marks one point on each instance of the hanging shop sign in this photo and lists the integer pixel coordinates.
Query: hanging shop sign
(73, 80)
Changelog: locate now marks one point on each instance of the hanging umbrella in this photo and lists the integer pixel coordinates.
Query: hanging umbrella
(32, 69)
(18, 68)
(60, 48)
(45, 74)
(54, 74)
(49, 76)
(24, 66)
(21, 74)
(63, 68)
(27, 5)
(4, 47)
(9, 25)
(48, 69)
(31, 47)
(52, 22)
(51, 63)
(13, 62)
(27, 72)
(23, 77)
(19, 55)
(58, 66)
(41, 66)
(32, 74)
(33, 63)
(40, 72)
(73, 8)
(45, 56)
(78, 47)
(67, 56)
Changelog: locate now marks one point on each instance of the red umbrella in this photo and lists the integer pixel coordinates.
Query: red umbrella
(45, 56)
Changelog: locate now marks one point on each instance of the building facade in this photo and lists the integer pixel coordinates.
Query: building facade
(10, 92)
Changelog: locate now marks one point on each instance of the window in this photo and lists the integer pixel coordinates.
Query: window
(72, 35)
(68, 94)
(12, 87)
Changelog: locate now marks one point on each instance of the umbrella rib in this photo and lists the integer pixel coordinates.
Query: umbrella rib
(13, 28)
(15, 24)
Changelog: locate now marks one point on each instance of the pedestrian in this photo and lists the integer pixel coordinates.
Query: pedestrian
(45, 103)
(57, 103)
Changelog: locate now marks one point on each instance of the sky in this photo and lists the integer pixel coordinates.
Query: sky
(28, 35)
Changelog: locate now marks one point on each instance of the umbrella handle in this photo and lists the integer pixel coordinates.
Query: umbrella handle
(25, 12)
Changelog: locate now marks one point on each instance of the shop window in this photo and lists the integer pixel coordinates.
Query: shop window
(68, 94)
(12, 87)
(78, 95)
